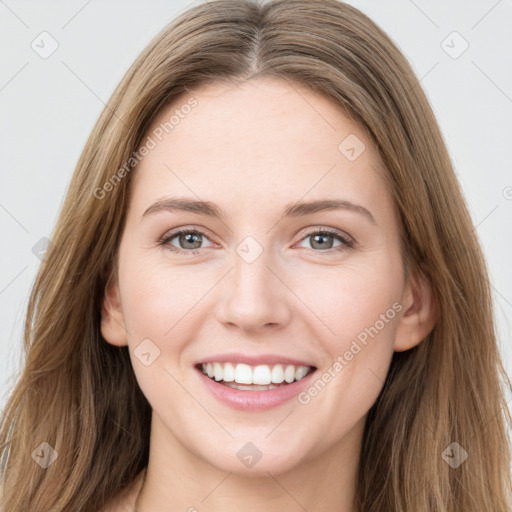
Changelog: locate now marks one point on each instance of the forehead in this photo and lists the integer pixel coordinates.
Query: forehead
(262, 139)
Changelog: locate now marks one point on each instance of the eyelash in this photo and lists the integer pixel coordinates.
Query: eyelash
(347, 242)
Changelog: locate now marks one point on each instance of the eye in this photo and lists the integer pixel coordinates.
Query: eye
(322, 240)
(188, 240)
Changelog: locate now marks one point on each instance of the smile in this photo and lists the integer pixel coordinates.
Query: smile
(254, 387)
(256, 378)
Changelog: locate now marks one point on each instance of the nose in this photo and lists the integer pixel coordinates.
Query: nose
(253, 296)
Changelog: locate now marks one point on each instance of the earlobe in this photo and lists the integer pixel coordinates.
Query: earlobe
(112, 320)
(420, 314)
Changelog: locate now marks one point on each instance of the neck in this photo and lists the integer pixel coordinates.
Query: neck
(175, 476)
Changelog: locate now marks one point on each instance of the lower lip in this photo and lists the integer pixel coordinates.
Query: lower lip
(255, 400)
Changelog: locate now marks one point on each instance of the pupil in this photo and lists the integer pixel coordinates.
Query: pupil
(316, 237)
(188, 238)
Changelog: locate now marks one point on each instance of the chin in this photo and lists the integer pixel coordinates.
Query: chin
(249, 460)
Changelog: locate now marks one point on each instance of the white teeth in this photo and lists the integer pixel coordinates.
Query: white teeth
(289, 373)
(301, 372)
(217, 371)
(229, 372)
(243, 374)
(277, 374)
(252, 387)
(260, 375)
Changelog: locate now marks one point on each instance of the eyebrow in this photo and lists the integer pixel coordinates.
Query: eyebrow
(297, 209)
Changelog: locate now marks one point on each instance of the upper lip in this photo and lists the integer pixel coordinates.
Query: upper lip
(253, 360)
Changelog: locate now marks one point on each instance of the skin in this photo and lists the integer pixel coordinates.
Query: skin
(253, 149)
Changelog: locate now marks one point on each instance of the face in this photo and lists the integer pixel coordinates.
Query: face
(267, 283)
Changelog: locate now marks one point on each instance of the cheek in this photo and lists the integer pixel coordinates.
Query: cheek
(156, 297)
(352, 299)
(361, 306)
(158, 306)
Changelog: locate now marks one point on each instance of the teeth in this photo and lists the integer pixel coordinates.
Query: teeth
(277, 374)
(301, 372)
(243, 374)
(217, 371)
(289, 373)
(261, 375)
(252, 387)
(229, 373)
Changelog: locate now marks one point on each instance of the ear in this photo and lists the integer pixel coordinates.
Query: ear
(112, 320)
(420, 313)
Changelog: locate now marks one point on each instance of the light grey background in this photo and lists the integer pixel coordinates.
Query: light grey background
(49, 106)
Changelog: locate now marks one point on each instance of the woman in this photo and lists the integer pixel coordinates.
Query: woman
(257, 368)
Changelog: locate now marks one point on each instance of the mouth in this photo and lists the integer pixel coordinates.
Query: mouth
(260, 377)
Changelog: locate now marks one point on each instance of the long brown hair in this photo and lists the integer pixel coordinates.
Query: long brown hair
(78, 393)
